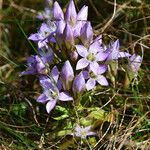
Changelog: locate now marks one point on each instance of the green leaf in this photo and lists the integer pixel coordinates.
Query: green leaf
(64, 116)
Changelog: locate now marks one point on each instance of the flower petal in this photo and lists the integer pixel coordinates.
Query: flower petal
(82, 51)
(85, 74)
(87, 34)
(78, 84)
(35, 37)
(94, 66)
(45, 82)
(90, 84)
(102, 80)
(102, 69)
(67, 75)
(50, 105)
(94, 47)
(42, 98)
(101, 56)
(57, 12)
(64, 96)
(123, 54)
(83, 13)
(82, 63)
(71, 14)
(55, 73)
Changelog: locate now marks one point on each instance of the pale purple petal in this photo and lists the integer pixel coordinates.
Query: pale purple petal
(45, 82)
(57, 12)
(44, 27)
(94, 66)
(68, 35)
(42, 98)
(77, 28)
(90, 84)
(55, 73)
(87, 34)
(67, 75)
(114, 50)
(102, 80)
(71, 14)
(94, 47)
(101, 56)
(90, 133)
(82, 63)
(135, 63)
(78, 84)
(50, 105)
(35, 37)
(82, 51)
(85, 74)
(99, 39)
(64, 96)
(123, 54)
(102, 69)
(42, 43)
(60, 27)
(83, 13)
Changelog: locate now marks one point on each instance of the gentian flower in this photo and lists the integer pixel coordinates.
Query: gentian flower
(134, 64)
(67, 75)
(78, 86)
(95, 75)
(76, 21)
(114, 52)
(36, 65)
(45, 15)
(91, 56)
(87, 34)
(52, 93)
(68, 36)
(57, 12)
(83, 132)
(42, 37)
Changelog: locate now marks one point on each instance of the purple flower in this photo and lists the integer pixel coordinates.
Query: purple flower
(95, 75)
(83, 132)
(67, 75)
(87, 34)
(68, 36)
(42, 36)
(45, 15)
(135, 63)
(57, 12)
(52, 93)
(114, 53)
(90, 56)
(78, 86)
(76, 21)
(71, 14)
(36, 65)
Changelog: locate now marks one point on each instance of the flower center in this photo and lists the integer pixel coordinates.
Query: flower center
(91, 57)
(92, 75)
(54, 94)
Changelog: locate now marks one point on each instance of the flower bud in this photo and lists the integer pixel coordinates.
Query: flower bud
(67, 75)
(71, 14)
(87, 34)
(78, 85)
(68, 36)
(57, 12)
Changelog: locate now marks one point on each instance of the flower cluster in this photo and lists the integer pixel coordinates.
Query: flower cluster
(71, 60)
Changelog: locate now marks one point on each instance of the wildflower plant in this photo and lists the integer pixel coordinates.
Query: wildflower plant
(72, 64)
